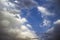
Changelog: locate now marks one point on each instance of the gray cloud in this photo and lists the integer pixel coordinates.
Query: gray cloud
(54, 32)
(11, 24)
(25, 3)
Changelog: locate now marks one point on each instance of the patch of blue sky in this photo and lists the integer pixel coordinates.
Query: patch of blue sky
(34, 16)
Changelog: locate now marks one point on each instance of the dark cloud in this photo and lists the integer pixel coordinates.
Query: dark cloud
(53, 33)
(57, 32)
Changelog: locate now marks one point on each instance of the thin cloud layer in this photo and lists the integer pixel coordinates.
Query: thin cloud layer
(12, 24)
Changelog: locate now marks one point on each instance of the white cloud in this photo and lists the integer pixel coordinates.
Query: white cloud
(26, 31)
(57, 22)
(45, 23)
(7, 3)
(23, 20)
(44, 11)
(12, 23)
(24, 28)
(16, 1)
(28, 25)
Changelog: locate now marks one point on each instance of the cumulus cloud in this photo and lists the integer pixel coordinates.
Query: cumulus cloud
(54, 32)
(12, 24)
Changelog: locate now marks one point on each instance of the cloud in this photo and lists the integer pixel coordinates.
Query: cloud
(27, 31)
(57, 22)
(23, 20)
(45, 14)
(45, 23)
(25, 3)
(44, 11)
(54, 32)
(12, 25)
(50, 30)
(28, 25)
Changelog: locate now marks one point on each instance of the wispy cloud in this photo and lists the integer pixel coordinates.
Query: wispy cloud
(45, 23)
(44, 11)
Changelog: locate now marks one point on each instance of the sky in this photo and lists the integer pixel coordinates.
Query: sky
(40, 17)
(31, 16)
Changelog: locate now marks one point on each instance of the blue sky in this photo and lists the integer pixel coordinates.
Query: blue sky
(35, 19)
(34, 16)
(40, 14)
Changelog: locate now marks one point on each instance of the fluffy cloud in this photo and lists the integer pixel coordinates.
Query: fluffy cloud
(54, 32)
(12, 24)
